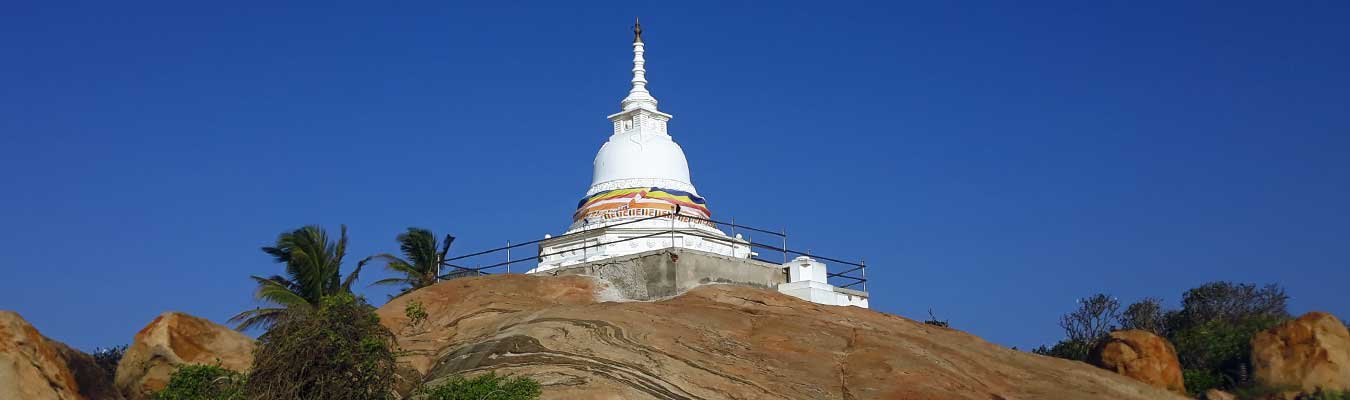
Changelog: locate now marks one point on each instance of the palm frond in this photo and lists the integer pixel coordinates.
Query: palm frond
(423, 258)
(392, 281)
(445, 247)
(419, 247)
(386, 258)
(313, 267)
(279, 291)
(351, 278)
(257, 317)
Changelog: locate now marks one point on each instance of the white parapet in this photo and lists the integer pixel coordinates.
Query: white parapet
(808, 280)
(590, 244)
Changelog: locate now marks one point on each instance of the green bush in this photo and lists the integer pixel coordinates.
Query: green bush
(1230, 302)
(1328, 395)
(203, 382)
(1147, 314)
(1212, 331)
(1256, 392)
(1220, 347)
(416, 313)
(1200, 380)
(1066, 349)
(483, 387)
(339, 351)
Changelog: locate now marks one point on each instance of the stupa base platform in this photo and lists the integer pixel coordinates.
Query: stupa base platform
(668, 272)
(665, 273)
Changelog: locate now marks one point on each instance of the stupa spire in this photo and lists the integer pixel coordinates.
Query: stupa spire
(638, 96)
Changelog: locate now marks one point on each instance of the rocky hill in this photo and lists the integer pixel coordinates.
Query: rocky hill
(716, 342)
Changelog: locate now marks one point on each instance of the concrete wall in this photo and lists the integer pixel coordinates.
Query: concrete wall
(668, 272)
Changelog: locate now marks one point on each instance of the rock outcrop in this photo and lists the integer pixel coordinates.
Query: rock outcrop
(31, 368)
(1141, 355)
(174, 339)
(717, 342)
(1311, 352)
(93, 381)
(1216, 394)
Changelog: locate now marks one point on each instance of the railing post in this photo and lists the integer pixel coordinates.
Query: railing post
(733, 236)
(672, 225)
(508, 256)
(785, 253)
(863, 272)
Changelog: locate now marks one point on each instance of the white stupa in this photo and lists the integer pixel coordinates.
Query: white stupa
(640, 172)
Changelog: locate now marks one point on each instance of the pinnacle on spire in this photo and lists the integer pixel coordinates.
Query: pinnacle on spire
(637, 30)
(638, 97)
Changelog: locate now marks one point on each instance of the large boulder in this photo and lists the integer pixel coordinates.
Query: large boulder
(1141, 355)
(1311, 352)
(31, 368)
(716, 342)
(174, 339)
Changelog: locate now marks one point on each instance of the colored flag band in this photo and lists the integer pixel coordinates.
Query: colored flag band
(640, 202)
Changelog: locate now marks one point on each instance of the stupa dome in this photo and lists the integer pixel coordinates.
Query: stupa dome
(640, 159)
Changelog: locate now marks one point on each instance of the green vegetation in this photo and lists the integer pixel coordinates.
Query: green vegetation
(312, 263)
(322, 342)
(416, 313)
(1328, 395)
(203, 382)
(1147, 315)
(420, 263)
(483, 387)
(1071, 350)
(1266, 392)
(338, 352)
(1086, 326)
(1212, 331)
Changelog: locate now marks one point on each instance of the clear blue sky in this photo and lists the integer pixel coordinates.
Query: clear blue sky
(992, 162)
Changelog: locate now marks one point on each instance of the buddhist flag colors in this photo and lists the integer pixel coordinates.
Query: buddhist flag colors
(642, 198)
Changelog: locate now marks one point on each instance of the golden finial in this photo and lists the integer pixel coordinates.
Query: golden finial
(637, 30)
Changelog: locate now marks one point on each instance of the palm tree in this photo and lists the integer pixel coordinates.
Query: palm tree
(420, 265)
(313, 264)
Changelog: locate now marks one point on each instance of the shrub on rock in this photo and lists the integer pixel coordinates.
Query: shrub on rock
(203, 382)
(339, 351)
(482, 387)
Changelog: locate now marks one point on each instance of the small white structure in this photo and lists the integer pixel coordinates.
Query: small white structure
(808, 280)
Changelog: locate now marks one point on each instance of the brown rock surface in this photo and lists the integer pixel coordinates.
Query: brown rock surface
(92, 380)
(174, 339)
(1216, 394)
(719, 342)
(1143, 356)
(31, 368)
(1310, 352)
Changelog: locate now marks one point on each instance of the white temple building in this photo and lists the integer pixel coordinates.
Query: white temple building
(640, 173)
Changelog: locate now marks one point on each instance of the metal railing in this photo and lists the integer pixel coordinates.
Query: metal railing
(856, 275)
